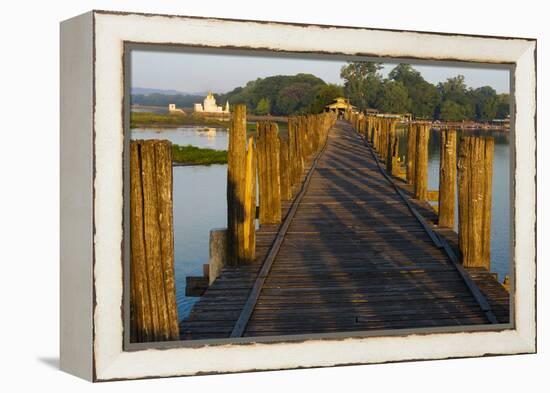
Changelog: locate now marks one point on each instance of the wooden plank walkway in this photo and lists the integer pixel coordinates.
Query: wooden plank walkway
(354, 258)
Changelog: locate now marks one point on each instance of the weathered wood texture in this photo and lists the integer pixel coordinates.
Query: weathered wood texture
(236, 187)
(269, 179)
(284, 169)
(152, 294)
(249, 228)
(495, 292)
(421, 163)
(411, 153)
(354, 258)
(296, 158)
(475, 172)
(217, 252)
(447, 179)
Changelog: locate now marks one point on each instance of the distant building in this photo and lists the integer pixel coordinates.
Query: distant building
(340, 105)
(209, 105)
(172, 109)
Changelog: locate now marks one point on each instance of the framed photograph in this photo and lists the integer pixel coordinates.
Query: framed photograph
(250, 195)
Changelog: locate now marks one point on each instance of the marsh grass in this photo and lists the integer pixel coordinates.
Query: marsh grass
(192, 155)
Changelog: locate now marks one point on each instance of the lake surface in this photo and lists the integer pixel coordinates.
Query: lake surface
(199, 203)
(200, 200)
(500, 217)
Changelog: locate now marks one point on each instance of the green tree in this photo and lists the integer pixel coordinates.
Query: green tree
(503, 107)
(325, 95)
(263, 107)
(455, 90)
(294, 98)
(452, 111)
(281, 91)
(362, 82)
(424, 96)
(394, 97)
(486, 102)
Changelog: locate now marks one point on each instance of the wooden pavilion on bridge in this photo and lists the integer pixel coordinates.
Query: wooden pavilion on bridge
(340, 105)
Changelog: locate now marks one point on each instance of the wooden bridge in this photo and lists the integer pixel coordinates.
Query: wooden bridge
(355, 251)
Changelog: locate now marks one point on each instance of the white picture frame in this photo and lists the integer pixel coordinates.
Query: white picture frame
(92, 202)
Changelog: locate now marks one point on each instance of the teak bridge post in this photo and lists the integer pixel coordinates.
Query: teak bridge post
(154, 315)
(268, 145)
(447, 179)
(241, 195)
(421, 163)
(475, 173)
(411, 153)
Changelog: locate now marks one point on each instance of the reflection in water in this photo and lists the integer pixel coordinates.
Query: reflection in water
(500, 217)
(213, 138)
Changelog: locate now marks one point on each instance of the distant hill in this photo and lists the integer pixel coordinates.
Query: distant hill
(152, 97)
(278, 95)
(147, 90)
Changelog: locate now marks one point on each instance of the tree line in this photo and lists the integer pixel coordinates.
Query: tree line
(406, 91)
(403, 91)
(283, 95)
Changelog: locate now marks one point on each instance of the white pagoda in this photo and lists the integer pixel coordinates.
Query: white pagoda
(209, 105)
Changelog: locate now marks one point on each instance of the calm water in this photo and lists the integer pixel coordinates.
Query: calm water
(199, 203)
(200, 200)
(500, 218)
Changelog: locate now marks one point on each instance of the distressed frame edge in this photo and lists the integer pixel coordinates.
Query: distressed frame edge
(76, 196)
(527, 340)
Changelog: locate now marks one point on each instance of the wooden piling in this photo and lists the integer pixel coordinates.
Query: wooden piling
(411, 153)
(217, 248)
(153, 293)
(236, 173)
(295, 157)
(249, 227)
(447, 179)
(421, 163)
(284, 170)
(391, 146)
(269, 172)
(475, 170)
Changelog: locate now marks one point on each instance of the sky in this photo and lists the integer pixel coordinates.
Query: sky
(192, 72)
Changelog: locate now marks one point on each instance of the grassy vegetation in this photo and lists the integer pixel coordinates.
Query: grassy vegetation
(149, 119)
(251, 127)
(192, 155)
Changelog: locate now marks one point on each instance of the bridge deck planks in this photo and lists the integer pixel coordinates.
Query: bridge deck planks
(354, 258)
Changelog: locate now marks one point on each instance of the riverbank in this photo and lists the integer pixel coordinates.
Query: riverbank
(175, 120)
(466, 125)
(169, 120)
(192, 155)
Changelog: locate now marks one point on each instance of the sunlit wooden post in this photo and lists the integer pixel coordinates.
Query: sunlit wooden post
(296, 160)
(384, 140)
(421, 163)
(284, 170)
(269, 173)
(391, 147)
(447, 179)
(411, 153)
(236, 178)
(152, 292)
(249, 227)
(217, 247)
(375, 134)
(475, 173)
